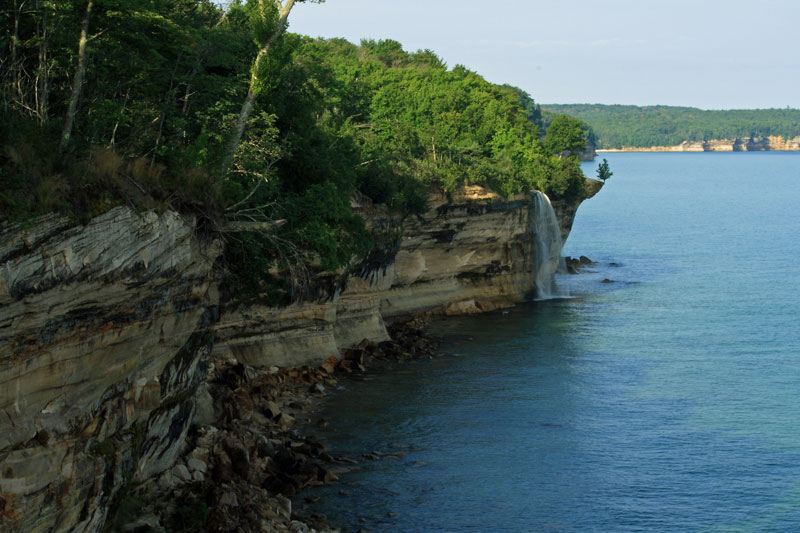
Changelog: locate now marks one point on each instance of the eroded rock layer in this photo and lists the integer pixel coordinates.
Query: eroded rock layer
(746, 144)
(94, 322)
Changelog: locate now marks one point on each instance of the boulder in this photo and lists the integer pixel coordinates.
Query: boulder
(329, 365)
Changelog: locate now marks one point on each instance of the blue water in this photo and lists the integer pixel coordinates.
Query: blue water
(666, 401)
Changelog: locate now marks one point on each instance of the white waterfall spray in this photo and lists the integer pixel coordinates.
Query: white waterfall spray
(548, 243)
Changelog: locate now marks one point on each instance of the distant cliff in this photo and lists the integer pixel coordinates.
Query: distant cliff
(750, 144)
(620, 126)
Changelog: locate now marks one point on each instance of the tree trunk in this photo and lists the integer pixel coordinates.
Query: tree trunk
(15, 70)
(168, 104)
(249, 101)
(78, 81)
(43, 74)
(116, 124)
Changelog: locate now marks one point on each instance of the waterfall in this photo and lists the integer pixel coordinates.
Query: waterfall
(548, 243)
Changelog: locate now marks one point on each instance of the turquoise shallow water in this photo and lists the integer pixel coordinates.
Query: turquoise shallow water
(666, 401)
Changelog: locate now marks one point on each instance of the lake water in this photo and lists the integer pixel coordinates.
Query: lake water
(666, 401)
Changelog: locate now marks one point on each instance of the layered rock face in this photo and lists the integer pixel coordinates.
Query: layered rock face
(461, 252)
(109, 330)
(779, 143)
(749, 144)
(470, 253)
(590, 153)
(93, 320)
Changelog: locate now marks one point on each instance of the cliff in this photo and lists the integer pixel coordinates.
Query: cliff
(94, 321)
(590, 153)
(108, 333)
(750, 144)
(471, 252)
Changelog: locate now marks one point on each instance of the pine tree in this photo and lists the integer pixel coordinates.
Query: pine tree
(603, 171)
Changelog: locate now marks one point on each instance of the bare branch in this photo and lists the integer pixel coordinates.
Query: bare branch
(238, 226)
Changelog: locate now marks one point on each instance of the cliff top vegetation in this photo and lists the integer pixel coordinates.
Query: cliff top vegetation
(140, 102)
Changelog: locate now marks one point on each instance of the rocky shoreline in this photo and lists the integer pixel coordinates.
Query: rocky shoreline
(240, 472)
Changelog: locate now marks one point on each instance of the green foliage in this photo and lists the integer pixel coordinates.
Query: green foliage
(320, 219)
(251, 276)
(617, 126)
(533, 110)
(603, 171)
(414, 123)
(165, 81)
(560, 177)
(565, 136)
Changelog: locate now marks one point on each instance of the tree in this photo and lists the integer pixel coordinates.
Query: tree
(565, 136)
(80, 72)
(603, 172)
(267, 11)
(533, 109)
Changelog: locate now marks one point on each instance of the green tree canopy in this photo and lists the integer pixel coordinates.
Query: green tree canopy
(565, 136)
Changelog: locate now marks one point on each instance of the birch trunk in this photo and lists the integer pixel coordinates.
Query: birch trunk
(43, 73)
(14, 66)
(247, 106)
(78, 81)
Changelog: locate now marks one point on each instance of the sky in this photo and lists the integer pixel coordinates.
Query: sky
(709, 54)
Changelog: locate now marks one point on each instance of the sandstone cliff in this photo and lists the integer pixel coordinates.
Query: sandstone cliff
(93, 320)
(749, 144)
(108, 330)
(472, 251)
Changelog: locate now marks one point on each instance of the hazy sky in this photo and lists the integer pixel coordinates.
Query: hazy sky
(703, 53)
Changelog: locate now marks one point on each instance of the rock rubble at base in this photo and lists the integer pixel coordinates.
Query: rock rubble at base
(239, 473)
(575, 265)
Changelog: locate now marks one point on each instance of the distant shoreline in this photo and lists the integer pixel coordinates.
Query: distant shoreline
(753, 144)
(665, 149)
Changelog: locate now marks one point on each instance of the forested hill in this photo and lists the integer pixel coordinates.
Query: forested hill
(220, 112)
(618, 126)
